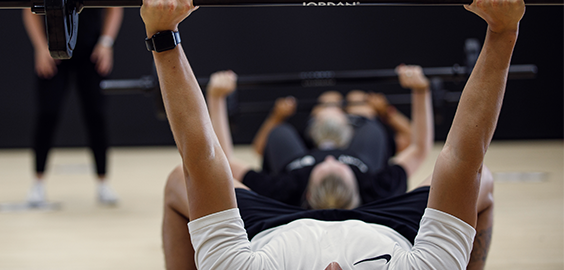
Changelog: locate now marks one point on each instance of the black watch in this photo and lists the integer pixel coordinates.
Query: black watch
(163, 41)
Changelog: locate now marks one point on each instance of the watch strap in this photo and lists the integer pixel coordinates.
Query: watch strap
(163, 41)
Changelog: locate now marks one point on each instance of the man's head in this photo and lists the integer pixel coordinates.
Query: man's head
(334, 266)
(332, 185)
(330, 129)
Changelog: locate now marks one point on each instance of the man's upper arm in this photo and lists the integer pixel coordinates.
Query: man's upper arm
(455, 186)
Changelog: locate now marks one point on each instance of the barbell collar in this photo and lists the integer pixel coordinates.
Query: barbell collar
(38, 8)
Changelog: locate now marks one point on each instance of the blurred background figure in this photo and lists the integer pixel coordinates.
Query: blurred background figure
(92, 60)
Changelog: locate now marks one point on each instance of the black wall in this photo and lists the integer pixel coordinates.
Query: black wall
(273, 40)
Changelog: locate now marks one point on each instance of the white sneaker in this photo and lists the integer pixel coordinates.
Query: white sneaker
(106, 195)
(36, 195)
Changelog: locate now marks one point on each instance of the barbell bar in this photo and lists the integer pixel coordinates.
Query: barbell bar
(311, 79)
(308, 79)
(61, 16)
(79, 4)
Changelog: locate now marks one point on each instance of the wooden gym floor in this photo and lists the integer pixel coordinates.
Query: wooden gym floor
(528, 232)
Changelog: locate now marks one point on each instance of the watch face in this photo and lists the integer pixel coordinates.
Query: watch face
(164, 41)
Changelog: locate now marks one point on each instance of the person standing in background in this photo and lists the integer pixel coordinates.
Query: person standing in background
(92, 60)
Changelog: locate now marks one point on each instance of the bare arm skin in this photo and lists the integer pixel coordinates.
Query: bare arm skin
(401, 125)
(207, 174)
(456, 177)
(103, 55)
(283, 109)
(393, 118)
(221, 85)
(422, 124)
(112, 22)
(178, 250)
(45, 65)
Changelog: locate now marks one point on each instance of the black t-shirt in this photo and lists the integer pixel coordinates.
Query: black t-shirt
(289, 186)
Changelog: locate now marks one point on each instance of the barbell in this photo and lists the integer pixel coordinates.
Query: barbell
(61, 16)
(313, 79)
(326, 78)
(307, 79)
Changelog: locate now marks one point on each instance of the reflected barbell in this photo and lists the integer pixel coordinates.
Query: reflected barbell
(312, 79)
(61, 16)
(327, 78)
(306, 79)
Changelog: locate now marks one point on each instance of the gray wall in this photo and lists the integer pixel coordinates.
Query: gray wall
(273, 40)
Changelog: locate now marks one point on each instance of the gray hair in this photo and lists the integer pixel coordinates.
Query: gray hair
(330, 133)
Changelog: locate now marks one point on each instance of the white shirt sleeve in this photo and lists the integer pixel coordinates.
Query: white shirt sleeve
(220, 242)
(443, 242)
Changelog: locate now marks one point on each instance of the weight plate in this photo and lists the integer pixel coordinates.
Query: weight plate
(61, 20)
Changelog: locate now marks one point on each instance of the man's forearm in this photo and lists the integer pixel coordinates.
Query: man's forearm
(208, 177)
(259, 142)
(220, 120)
(35, 30)
(422, 126)
(399, 123)
(481, 100)
(184, 101)
(112, 22)
(422, 121)
(423, 134)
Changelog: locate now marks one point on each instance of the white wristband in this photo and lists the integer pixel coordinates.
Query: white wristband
(106, 41)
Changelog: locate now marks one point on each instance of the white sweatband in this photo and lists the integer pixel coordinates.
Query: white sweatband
(106, 41)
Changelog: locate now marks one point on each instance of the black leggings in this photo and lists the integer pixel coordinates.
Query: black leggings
(51, 94)
(369, 143)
